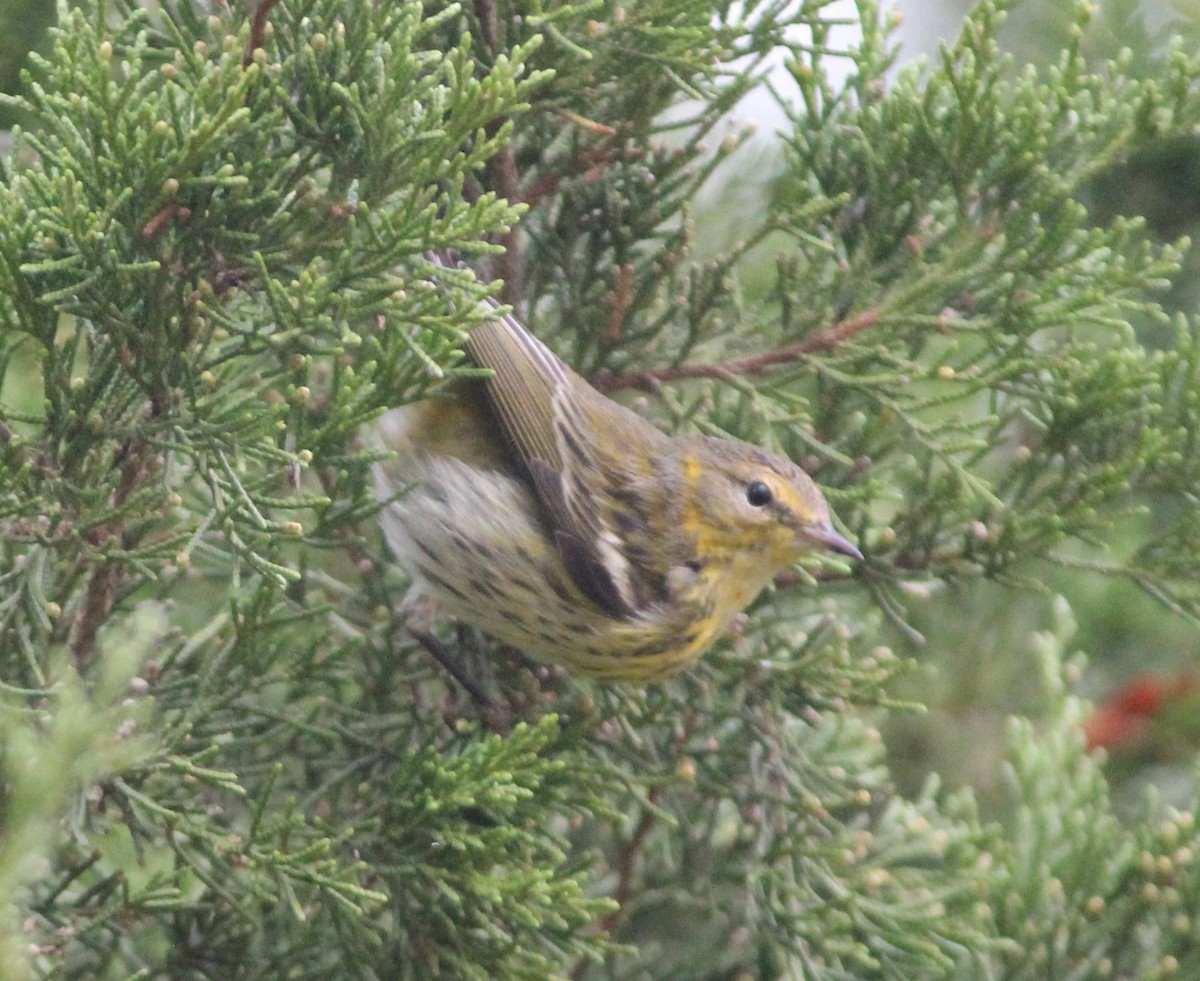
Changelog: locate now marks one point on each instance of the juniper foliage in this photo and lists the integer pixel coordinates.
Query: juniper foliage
(222, 758)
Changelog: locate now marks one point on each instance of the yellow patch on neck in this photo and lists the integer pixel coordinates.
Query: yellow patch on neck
(712, 542)
(690, 518)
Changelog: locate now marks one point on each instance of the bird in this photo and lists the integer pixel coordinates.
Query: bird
(529, 505)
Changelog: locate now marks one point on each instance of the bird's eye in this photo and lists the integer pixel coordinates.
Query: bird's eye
(758, 494)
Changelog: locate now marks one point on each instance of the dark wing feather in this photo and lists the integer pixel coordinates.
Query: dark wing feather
(582, 559)
(591, 575)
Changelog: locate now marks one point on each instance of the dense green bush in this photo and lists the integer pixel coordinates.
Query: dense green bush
(221, 756)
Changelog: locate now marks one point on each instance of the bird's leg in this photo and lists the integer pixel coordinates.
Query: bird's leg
(418, 611)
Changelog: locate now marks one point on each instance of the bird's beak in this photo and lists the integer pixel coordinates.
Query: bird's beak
(823, 536)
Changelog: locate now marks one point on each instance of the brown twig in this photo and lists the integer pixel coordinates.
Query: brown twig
(158, 222)
(506, 181)
(258, 31)
(589, 165)
(627, 856)
(591, 125)
(165, 214)
(622, 297)
(489, 24)
(757, 364)
(104, 581)
(504, 177)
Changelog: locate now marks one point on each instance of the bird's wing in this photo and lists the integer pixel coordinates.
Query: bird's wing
(550, 415)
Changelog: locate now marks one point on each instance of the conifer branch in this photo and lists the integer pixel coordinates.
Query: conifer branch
(993, 409)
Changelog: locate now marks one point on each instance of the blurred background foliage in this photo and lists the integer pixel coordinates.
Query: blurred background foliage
(1127, 634)
(23, 28)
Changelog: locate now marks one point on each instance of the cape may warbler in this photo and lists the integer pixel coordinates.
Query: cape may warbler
(562, 523)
